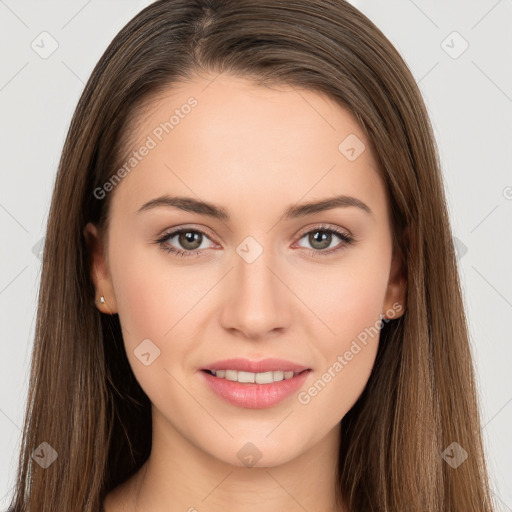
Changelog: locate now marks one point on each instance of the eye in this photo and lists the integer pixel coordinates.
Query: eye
(322, 237)
(190, 239)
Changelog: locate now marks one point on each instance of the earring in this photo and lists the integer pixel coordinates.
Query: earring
(101, 301)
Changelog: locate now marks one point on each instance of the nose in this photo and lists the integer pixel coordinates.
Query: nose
(257, 302)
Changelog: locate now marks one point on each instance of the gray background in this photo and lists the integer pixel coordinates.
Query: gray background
(469, 97)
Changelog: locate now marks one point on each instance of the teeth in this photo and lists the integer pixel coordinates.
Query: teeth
(254, 378)
(245, 377)
(231, 375)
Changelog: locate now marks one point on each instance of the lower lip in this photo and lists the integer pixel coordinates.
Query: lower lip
(255, 396)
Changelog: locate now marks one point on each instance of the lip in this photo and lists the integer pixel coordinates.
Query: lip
(265, 365)
(254, 396)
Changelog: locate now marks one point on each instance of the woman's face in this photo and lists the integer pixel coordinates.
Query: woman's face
(249, 284)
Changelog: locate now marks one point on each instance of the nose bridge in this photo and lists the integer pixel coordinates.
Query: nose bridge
(255, 283)
(257, 300)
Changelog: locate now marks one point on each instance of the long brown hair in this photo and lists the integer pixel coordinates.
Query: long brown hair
(84, 400)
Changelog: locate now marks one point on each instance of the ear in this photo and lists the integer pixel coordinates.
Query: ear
(396, 293)
(99, 270)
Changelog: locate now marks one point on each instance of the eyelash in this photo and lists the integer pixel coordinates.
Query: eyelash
(346, 241)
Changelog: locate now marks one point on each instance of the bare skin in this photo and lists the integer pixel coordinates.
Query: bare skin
(253, 151)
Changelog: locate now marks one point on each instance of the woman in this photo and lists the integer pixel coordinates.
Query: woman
(198, 344)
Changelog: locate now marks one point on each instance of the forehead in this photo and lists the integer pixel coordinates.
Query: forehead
(232, 142)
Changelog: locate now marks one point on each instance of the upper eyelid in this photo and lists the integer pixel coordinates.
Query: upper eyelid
(325, 227)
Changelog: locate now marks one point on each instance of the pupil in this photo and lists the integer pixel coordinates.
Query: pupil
(324, 240)
(190, 238)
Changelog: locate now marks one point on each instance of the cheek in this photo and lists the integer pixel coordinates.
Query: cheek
(151, 297)
(346, 353)
(151, 308)
(349, 302)
(157, 302)
(349, 298)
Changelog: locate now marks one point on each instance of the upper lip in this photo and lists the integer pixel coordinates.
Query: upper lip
(265, 365)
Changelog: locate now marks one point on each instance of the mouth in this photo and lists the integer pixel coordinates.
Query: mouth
(251, 390)
(244, 377)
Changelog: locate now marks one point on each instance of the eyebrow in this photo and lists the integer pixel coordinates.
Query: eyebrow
(189, 204)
